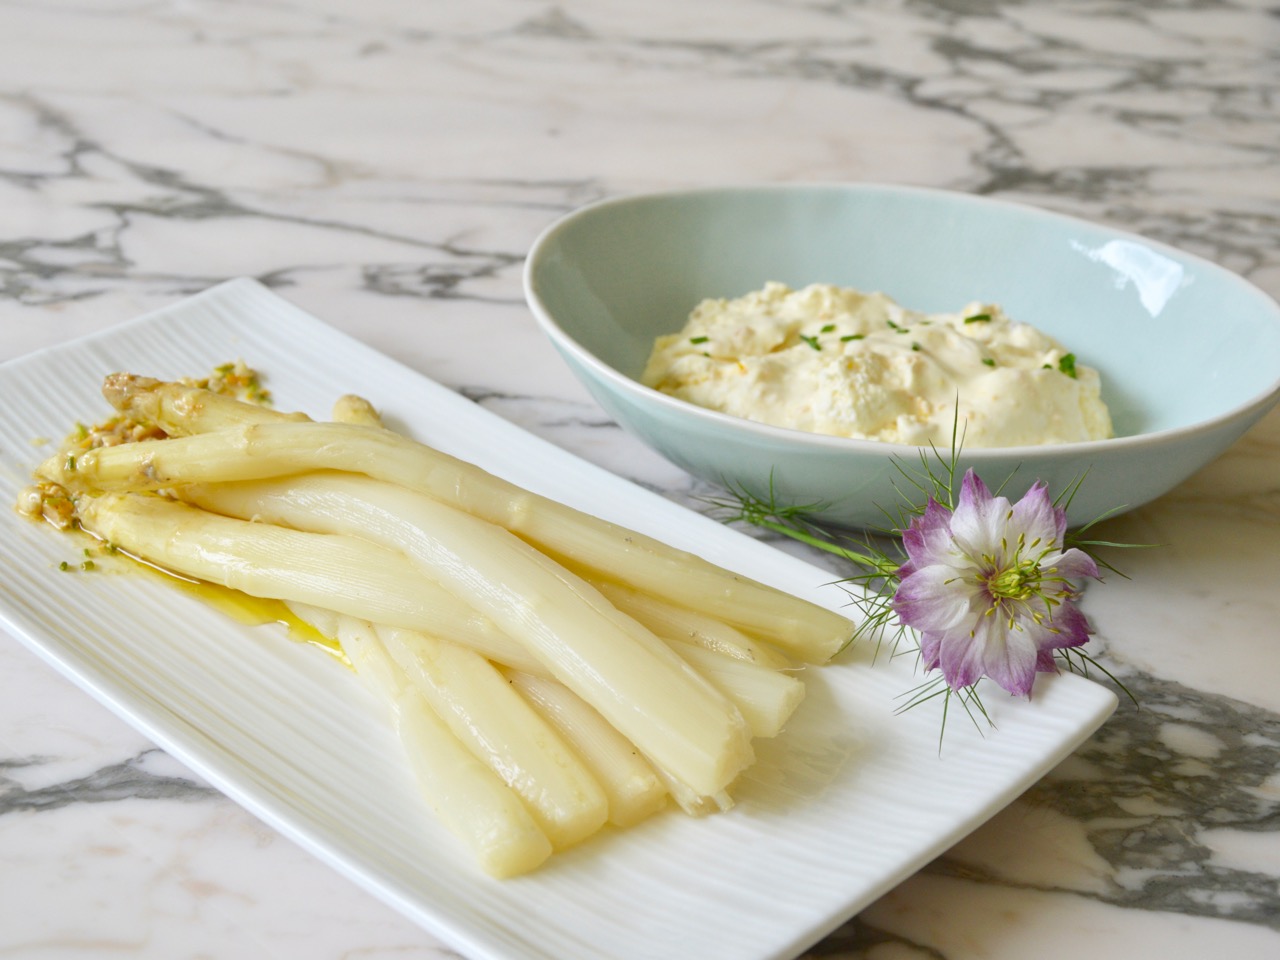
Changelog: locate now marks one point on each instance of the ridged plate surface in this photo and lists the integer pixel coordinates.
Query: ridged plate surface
(845, 804)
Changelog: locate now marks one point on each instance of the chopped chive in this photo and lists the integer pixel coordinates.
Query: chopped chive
(851, 336)
(87, 565)
(699, 339)
(988, 361)
(895, 327)
(978, 318)
(1068, 365)
(812, 341)
(914, 345)
(827, 328)
(64, 565)
(71, 462)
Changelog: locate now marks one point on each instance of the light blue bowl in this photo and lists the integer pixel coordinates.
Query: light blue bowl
(1189, 353)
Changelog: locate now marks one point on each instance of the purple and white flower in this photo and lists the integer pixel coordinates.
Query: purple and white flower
(989, 587)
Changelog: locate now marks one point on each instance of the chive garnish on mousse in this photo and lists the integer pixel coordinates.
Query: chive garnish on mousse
(1068, 365)
(787, 357)
(699, 339)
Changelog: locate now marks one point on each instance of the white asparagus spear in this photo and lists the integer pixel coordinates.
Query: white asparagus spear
(633, 788)
(766, 698)
(677, 623)
(647, 692)
(350, 408)
(467, 796)
(504, 731)
(465, 793)
(274, 448)
(667, 621)
(346, 574)
(691, 802)
(169, 404)
(266, 560)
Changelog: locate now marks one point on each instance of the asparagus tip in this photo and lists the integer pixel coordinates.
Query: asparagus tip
(120, 388)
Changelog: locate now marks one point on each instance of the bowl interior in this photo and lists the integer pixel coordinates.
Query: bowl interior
(1177, 340)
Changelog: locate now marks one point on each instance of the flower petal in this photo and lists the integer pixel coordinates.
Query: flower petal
(935, 598)
(1073, 564)
(1070, 628)
(1006, 656)
(1040, 523)
(928, 539)
(960, 655)
(978, 524)
(930, 646)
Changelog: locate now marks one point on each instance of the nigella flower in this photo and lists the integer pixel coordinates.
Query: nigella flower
(989, 587)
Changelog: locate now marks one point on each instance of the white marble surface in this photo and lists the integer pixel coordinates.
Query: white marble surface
(385, 164)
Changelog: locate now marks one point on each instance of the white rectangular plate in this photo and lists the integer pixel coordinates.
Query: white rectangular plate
(848, 802)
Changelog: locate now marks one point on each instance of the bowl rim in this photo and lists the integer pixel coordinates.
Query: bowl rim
(789, 436)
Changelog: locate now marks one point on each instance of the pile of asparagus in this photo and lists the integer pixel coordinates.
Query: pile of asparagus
(548, 672)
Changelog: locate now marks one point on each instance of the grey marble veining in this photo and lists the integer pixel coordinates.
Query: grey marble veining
(1176, 764)
(127, 779)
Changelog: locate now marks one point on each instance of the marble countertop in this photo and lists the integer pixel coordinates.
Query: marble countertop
(386, 165)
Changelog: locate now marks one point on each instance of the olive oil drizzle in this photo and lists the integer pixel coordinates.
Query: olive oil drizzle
(241, 607)
(232, 379)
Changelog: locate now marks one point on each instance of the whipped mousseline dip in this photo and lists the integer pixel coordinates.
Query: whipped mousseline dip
(833, 360)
